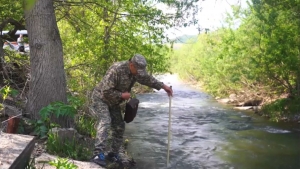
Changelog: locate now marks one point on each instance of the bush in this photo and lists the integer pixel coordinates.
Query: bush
(282, 108)
(56, 108)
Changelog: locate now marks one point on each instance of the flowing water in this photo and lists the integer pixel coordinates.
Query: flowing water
(206, 134)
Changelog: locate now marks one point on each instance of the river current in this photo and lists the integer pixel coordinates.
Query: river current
(207, 134)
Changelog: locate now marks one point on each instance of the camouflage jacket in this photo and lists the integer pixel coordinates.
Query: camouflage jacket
(118, 79)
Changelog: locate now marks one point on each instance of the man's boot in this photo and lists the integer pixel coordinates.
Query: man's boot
(114, 157)
(99, 159)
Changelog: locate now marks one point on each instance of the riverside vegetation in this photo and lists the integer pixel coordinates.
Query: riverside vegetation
(256, 60)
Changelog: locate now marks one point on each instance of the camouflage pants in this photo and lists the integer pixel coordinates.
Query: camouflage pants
(110, 128)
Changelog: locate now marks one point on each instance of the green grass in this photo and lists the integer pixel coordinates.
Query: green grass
(75, 149)
(85, 125)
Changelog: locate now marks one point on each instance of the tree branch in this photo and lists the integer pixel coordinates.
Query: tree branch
(115, 17)
(17, 26)
(12, 22)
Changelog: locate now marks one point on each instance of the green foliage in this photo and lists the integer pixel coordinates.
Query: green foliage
(21, 129)
(230, 59)
(58, 109)
(41, 128)
(133, 27)
(76, 102)
(11, 9)
(69, 148)
(261, 56)
(6, 91)
(282, 108)
(11, 57)
(61, 163)
(86, 125)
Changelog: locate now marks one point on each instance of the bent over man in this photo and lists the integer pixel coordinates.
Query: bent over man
(106, 99)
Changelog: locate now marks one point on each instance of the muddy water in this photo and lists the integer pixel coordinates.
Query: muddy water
(206, 134)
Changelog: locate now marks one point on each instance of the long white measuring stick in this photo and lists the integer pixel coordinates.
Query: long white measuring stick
(169, 134)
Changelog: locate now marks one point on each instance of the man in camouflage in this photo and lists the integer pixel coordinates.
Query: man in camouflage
(107, 97)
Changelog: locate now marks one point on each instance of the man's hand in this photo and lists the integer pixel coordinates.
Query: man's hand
(125, 96)
(168, 90)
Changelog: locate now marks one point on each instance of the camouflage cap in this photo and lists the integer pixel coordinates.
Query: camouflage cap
(140, 64)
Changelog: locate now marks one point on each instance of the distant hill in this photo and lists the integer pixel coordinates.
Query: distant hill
(186, 39)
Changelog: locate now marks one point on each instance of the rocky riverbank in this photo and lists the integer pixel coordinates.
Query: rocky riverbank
(241, 103)
(256, 104)
(253, 101)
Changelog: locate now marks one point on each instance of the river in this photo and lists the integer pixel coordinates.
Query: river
(206, 134)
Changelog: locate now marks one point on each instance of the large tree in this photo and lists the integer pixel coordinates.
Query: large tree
(48, 82)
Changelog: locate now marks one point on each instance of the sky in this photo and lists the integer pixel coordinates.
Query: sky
(211, 16)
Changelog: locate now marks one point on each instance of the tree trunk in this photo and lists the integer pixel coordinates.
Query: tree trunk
(48, 82)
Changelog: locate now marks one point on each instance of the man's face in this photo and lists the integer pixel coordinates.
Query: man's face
(132, 69)
(21, 36)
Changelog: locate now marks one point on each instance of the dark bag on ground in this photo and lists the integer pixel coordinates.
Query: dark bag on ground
(131, 110)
